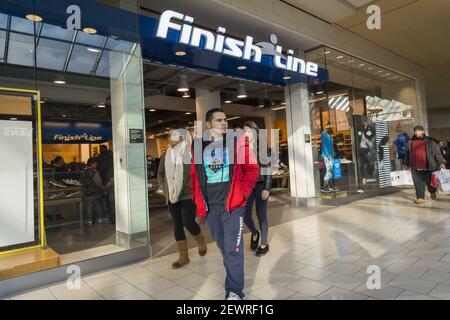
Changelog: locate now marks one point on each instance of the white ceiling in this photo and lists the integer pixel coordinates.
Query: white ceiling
(329, 10)
(417, 30)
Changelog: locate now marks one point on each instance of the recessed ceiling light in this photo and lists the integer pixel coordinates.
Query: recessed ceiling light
(59, 82)
(90, 30)
(361, 65)
(228, 101)
(160, 121)
(370, 68)
(320, 92)
(286, 78)
(186, 95)
(34, 18)
(327, 52)
(283, 103)
(152, 110)
(242, 68)
(188, 113)
(64, 116)
(42, 102)
(101, 106)
(388, 74)
(93, 50)
(340, 57)
(13, 119)
(395, 77)
(180, 53)
(351, 61)
(379, 71)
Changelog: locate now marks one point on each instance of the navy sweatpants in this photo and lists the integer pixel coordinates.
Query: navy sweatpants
(226, 229)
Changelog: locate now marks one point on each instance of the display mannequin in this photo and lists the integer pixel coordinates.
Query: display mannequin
(401, 143)
(327, 156)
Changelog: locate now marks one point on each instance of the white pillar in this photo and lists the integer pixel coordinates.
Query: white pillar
(130, 168)
(206, 100)
(300, 150)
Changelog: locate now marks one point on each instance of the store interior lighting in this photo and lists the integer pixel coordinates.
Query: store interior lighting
(183, 85)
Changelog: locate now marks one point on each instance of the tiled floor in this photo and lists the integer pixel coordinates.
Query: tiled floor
(319, 256)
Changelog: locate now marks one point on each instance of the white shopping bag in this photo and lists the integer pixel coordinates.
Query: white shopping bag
(401, 178)
(443, 178)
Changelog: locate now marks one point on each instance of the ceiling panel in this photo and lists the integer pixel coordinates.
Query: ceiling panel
(329, 10)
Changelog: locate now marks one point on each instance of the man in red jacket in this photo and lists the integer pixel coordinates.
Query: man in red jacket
(224, 172)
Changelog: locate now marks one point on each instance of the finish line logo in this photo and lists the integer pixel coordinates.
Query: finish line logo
(220, 43)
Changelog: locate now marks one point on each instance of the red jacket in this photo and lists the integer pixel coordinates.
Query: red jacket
(245, 174)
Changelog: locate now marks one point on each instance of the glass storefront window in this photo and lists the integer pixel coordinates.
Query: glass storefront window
(357, 117)
(93, 176)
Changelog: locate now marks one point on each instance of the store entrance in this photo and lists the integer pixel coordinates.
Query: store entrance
(168, 108)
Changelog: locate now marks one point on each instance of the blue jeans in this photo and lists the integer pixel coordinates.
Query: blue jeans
(261, 212)
(226, 229)
(95, 204)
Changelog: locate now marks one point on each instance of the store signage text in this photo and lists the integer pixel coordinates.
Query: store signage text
(82, 137)
(220, 43)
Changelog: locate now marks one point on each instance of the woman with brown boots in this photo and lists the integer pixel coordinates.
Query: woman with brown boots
(174, 182)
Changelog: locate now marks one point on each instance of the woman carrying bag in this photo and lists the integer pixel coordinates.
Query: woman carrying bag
(174, 182)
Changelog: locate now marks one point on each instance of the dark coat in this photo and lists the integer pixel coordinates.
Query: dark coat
(434, 155)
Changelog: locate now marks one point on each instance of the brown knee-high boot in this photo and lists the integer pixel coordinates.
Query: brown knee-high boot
(202, 248)
(183, 258)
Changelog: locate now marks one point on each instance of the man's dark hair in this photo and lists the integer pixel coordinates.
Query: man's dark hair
(210, 114)
(103, 148)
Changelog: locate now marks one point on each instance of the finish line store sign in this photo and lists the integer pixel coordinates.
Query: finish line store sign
(218, 52)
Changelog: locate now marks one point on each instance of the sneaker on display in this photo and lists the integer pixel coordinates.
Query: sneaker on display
(57, 184)
(233, 296)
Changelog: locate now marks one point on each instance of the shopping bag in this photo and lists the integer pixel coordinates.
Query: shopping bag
(337, 169)
(443, 178)
(401, 178)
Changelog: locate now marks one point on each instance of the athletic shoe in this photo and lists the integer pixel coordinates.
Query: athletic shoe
(420, 201)
(433, 196)
(233, 296)
(326, 190)
(56, 195)
(57, 184)
(262, 251)
(254, 243)
(71, 195)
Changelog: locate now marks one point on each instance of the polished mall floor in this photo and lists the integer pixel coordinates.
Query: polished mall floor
(319, 255)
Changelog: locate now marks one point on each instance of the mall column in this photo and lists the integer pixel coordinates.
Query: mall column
(130, 169)
(206, 100)
(299, 142)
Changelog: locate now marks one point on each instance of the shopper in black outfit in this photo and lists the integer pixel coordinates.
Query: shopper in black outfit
(260, 195)
(174, 181)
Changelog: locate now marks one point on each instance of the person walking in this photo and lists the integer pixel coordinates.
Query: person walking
(423, 157)
(260, 195)
(224, 172)
(175, 183)
(445, 151)
(92, 193)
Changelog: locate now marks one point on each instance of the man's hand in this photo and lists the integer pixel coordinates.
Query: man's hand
(265, 195)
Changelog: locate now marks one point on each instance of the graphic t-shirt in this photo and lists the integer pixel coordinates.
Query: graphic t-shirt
(217, 167)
